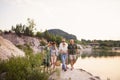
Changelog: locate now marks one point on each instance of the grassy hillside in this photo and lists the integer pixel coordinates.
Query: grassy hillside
(62, 33)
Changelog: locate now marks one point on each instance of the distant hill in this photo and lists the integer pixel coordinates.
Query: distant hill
(62, 33)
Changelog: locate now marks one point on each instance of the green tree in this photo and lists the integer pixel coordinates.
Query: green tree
(19, 29)
(58, 39)
(46, 35)
(1, 31)
(39, 34)
(30, 27)
(24, 29)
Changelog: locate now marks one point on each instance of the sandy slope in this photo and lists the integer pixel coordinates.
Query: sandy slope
(7, 49)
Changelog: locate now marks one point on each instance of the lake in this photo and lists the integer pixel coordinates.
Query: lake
(104, 64)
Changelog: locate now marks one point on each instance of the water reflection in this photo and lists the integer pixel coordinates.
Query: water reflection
(105, 64)
(101, 53)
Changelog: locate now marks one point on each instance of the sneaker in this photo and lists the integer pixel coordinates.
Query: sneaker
(65, 70)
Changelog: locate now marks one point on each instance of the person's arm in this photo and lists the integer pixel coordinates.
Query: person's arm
(57, 51)
(60, 48)
(68, 49)
(76, 49)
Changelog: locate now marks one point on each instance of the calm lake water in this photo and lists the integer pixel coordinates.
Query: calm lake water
(102, 64)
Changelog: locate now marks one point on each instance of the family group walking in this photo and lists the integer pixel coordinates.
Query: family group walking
(66, 52)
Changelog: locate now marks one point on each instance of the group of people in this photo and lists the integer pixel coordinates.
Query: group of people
(65, 50)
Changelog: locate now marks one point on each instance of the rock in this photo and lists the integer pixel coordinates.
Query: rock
(2, 76)
(91, 78)
(7, 49)
(33, 42)
(97, 77)
(75, 74)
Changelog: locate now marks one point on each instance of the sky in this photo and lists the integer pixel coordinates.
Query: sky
(87, 19)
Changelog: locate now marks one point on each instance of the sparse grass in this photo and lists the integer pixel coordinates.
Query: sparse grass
(58, 72)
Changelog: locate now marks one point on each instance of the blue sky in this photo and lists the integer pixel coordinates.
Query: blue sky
(87, 19)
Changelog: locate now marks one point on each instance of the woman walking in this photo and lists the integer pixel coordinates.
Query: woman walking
(53, 54)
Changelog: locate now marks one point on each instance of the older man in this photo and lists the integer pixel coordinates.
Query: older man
(63, 49)
(72, 50)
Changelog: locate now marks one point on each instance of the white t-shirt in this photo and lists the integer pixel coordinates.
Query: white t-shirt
(63, 48)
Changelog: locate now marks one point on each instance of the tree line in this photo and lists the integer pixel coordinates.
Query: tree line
(102, 43)
(28, 30)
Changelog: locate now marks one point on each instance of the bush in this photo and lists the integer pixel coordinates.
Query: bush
(24, 68)
(26, 48)
(43, 43)
(15, 68)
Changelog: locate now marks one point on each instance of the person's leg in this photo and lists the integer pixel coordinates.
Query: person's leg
(48, 60)
(74, 59)
(65, 57)
(54, 61)
(63, 61)
(51, 61)
(71, 61)
(67, 61)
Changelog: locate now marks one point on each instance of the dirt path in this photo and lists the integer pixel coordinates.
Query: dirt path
(75, 74)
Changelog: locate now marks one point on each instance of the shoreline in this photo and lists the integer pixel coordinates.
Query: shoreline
(75, 74)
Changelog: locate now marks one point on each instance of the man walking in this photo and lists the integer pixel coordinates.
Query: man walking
(63, 49)
(72, 50)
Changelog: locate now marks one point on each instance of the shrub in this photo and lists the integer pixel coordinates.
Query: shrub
(15, 68)
(37, 75)
(24, 68)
